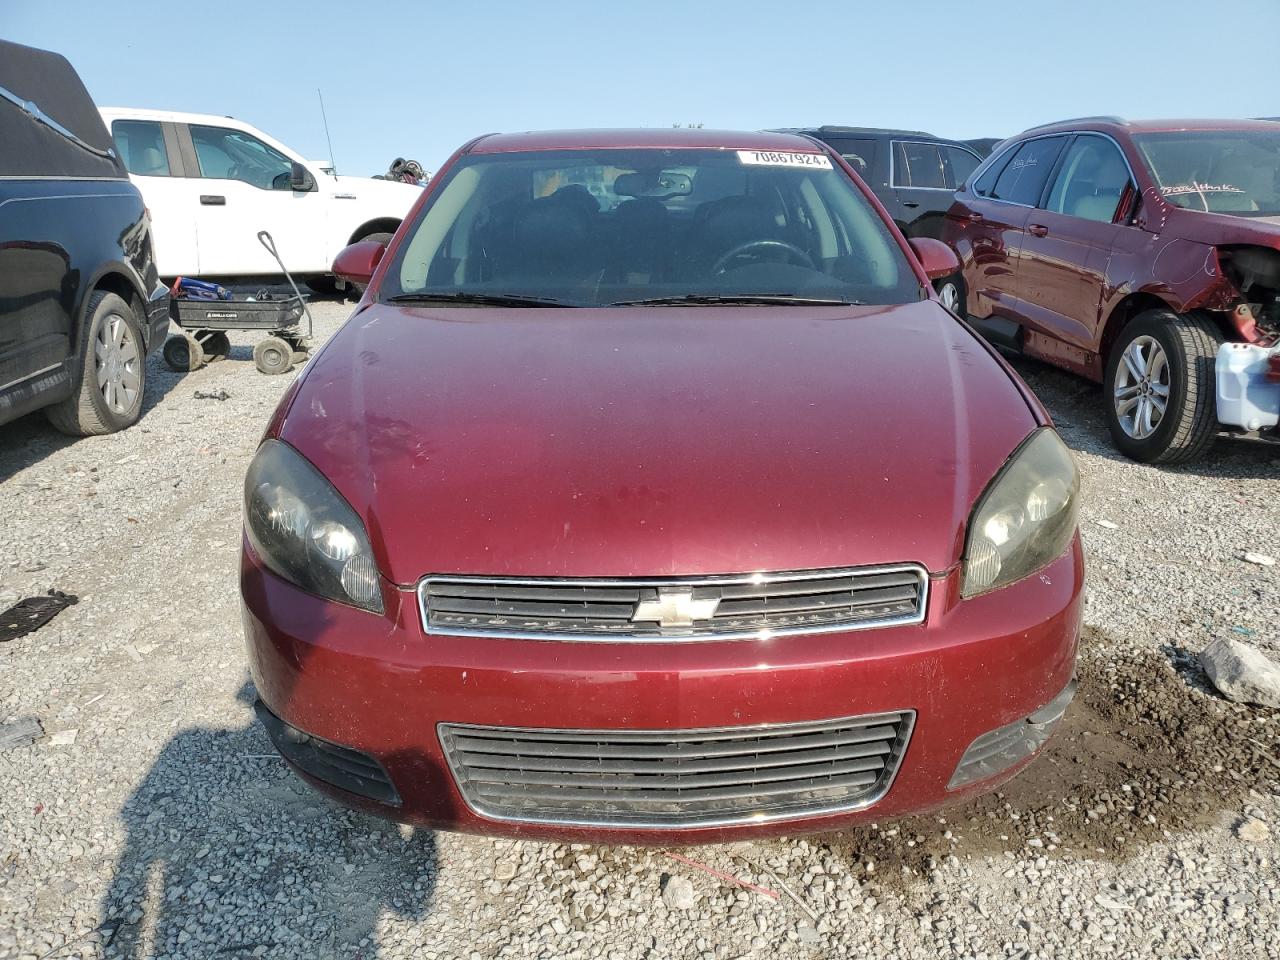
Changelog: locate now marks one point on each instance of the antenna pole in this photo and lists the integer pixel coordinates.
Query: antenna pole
(332, 162)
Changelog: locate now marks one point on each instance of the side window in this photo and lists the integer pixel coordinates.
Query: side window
(1024, 178)
(960, 163)
(986, 183)
(1091, 181)
(141, 144)
(234, 155)
(917, 165)
(858, 153)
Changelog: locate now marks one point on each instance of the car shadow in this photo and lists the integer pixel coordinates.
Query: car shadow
(1076, 406)
(28, 440)
(227, 853)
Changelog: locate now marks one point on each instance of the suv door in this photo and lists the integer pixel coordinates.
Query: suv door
(243, 186)
(992, 216)
(1063, 264)
(918, 178)
(150, 152)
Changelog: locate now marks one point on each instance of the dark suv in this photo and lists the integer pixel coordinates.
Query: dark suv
(80, 302)
(1143, 254)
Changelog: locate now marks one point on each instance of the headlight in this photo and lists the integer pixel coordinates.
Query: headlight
(1025, 518)
(305, 531)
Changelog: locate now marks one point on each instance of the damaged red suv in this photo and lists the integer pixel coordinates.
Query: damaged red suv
(650, 495)
(1143, 254)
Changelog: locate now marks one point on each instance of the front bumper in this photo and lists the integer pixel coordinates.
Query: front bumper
(380, 686)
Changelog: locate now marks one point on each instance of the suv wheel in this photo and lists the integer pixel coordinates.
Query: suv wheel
(113, 372)
(951, 293)
(1160, 387)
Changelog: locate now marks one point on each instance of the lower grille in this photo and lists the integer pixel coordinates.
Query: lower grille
(676, 778)
(679, 608)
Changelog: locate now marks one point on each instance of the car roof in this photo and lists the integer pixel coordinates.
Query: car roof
(676, 138)
(1112, 124)
(172, 116)
(829, 130)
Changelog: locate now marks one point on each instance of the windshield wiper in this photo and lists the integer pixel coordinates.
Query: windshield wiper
(740, 298)
(474, 296)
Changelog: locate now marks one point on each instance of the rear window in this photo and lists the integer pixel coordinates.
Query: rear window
(140, 144)
(1023, 179)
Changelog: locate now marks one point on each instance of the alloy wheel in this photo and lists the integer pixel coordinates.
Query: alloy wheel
(1142, 387)
(118, 363)
(949, 294)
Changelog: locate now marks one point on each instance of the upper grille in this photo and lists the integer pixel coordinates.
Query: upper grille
(676, 778)
(685, 608)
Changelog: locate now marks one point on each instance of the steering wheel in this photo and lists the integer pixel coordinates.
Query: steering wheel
(793, 252)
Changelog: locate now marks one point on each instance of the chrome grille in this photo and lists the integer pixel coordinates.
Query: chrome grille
(676, 778)
(678, 608)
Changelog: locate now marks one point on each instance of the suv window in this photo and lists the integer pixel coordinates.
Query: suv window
(1091, 181)
(960, 163)
(1023, 179)
(140, 144)
(917, 165)
(235, 155)
(860, 153)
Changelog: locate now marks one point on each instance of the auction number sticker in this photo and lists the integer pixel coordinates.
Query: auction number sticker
(766, 158)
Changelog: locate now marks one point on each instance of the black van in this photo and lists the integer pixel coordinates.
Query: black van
(81, 305)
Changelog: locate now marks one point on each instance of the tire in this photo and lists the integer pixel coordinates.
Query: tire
(1170, 357)
(950, 291)
(273, 356)
(216, 345)
(113, 372)
(183, 353)
(323, 284)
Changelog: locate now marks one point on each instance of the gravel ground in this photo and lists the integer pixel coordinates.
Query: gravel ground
(153, 820)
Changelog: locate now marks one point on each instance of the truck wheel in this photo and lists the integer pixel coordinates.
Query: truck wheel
(183, 353)
(113, 372)
(1160, 387)
(273, 356)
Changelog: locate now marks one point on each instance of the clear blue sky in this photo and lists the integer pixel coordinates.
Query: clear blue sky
(417, 79)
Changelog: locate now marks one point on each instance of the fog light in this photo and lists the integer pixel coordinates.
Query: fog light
(999, 749)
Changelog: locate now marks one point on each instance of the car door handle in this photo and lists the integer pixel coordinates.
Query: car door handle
(910, 203)
(1038, 230)
(213, 200)
(975, 218)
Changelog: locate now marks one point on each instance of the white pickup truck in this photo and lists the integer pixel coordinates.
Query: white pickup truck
(211, 183)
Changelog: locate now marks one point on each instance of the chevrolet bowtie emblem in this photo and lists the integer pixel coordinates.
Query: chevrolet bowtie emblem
(676, 608)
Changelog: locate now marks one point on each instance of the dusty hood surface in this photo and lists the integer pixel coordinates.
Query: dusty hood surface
(648, 441)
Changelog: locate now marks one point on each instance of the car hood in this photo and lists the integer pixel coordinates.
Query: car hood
(657, 440)
(1223, 228)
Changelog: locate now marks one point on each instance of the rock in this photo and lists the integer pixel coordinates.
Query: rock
(1107, 524)
(1261, 559)
(63, 738)
(808, 935)
(504, 870)
(678, 894)
(1253, 831)
(1242, 673)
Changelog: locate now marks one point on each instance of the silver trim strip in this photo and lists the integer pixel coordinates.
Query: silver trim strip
(28, 376)
(32, 110)
(906, 717)
(704, 581)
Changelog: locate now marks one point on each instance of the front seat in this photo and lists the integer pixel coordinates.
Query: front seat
(151, 163)
(726, 224)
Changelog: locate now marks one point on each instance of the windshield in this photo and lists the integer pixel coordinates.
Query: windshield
(604, 227)
(1216, 171)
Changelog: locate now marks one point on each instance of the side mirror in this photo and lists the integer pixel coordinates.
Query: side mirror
(938, 259)
(357, 263)
(300, 178)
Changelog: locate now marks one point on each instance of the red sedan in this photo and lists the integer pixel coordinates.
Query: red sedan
(651, 495)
